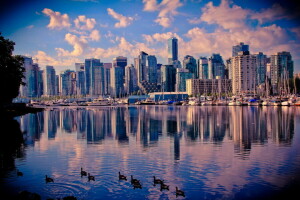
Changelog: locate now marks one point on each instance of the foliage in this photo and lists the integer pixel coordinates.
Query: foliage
(11, 71)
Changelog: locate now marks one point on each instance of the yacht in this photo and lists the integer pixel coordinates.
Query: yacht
(100, 102)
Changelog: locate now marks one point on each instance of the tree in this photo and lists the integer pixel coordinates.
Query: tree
(11, 71)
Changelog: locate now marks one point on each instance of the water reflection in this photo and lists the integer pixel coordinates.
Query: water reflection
(245, 126)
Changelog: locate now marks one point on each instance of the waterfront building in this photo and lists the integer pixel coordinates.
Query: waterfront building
(189, 63)
(203, 68)
(281, 68)
(172, 50)
(175, 96)
(40, 81)
(216, 66)
(151, 67)
(80, 78)
(168, 78)
(130, 79)
(243, 73)
(68, 83)
(146, 87)
(116, 82)
(49, 81)
(228, 68)
(120, 61)
(107, 69)
(79, 67)
(141, 66)
(261, 65)
(90, 84)
(181, 76)
(240, 47)
(197, 87)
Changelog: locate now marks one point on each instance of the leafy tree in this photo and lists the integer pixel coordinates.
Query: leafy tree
(11, 71)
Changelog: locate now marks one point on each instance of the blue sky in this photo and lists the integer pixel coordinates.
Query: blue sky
(62, 32)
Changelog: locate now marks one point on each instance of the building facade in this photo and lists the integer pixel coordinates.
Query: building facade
(181, 76)
(168, 78)
(196, 87)
(172, 50)
(190, 63)
(239, 47)
(203, 68)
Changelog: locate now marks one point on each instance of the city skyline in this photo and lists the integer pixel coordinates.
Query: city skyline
(80, 29)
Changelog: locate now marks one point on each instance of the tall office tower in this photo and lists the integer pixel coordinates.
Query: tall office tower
(57, 85)
(216, 66)
(243, 73)
(49, 81)
(261, 65)
(168, 78)
(181, 76)
(116, 82)
(130, 79)
(141, 65)
(32, 76)
(282, 68)
(229, 68)
(189, 63)
(27, 66)
(80, 78)
(90, 65)
(41, 84)
(151, 64)
(68, 83)
(120, 61)
(107, 69)
(240, 47)
(172, 50)
(203, 68)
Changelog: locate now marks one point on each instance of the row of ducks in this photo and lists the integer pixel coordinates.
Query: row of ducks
(134, 182)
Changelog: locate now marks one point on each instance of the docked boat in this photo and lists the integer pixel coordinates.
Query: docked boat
(147, 101)
(275, 103)
(285, 103)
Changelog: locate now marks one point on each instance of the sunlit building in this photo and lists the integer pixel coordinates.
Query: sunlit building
(197, 87)
(172, 50)
(181, 76)
(216, 66)
(239, 47)
(203, 68)
(189, 63)
(49, 81)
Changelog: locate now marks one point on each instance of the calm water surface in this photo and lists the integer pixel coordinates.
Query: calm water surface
(209, 152)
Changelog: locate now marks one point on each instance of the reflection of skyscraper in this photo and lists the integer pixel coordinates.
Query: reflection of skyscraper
(52, 119)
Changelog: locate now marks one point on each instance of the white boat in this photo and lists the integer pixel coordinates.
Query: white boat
(285, 103)
(266, 103)
(275, 103)
(193, 103)
(234, 103)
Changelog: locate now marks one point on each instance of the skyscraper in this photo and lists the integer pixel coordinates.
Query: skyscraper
(172, 50)
(189, 63)
(68, 83)
(261, 65)
(90, 84)
(80, 78)
(168, 78)
(49, 81)
(282, 68)
(141, 66)
(216, 66)
(240, 47)
(243, 73)
(151, 67)
(181, 76)
(130, 79)
(203, 68)
(116, 82)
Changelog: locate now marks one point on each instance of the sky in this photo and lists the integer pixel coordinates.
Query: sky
(63, 32)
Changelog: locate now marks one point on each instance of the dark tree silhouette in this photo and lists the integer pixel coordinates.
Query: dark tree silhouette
(11, 71)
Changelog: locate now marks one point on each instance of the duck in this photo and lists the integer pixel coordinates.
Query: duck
(90, 177)
(48, 179)
(179, 192)
(157, 181)
(137, 185)
(83, 173)
(122, 177)
(19, 173)
(133, 180)
(164, 186)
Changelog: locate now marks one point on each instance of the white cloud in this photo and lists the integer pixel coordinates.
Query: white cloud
(57, 20)
(167, 10)
(78, 43)
(44, 59)
(123, 21)
(95, 36)
(83, 23)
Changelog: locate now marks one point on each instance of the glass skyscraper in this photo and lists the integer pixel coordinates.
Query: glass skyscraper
(240, 47)
(203, 68)
(168, 78)
(189, 63)
(216, 66)
(151, 64)
(172, 50)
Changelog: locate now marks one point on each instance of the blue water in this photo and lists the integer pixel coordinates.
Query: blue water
(208, 152)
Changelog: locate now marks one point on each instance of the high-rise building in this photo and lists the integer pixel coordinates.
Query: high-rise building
(172, 50)
(116, 82)
(189, 63)
(90, 84)
(240, 47)
(80, 78)
(107, 69)
(203, 68)
(151, 68)
(216, 67)
(195, 87)
(141, 66)
(181, 76)
(243, 73)
(168, 78)
(282, 68)
(79, 67)
(261, 65)
(120, 61)
(130, 79)
(49, 81)
(68, 83)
